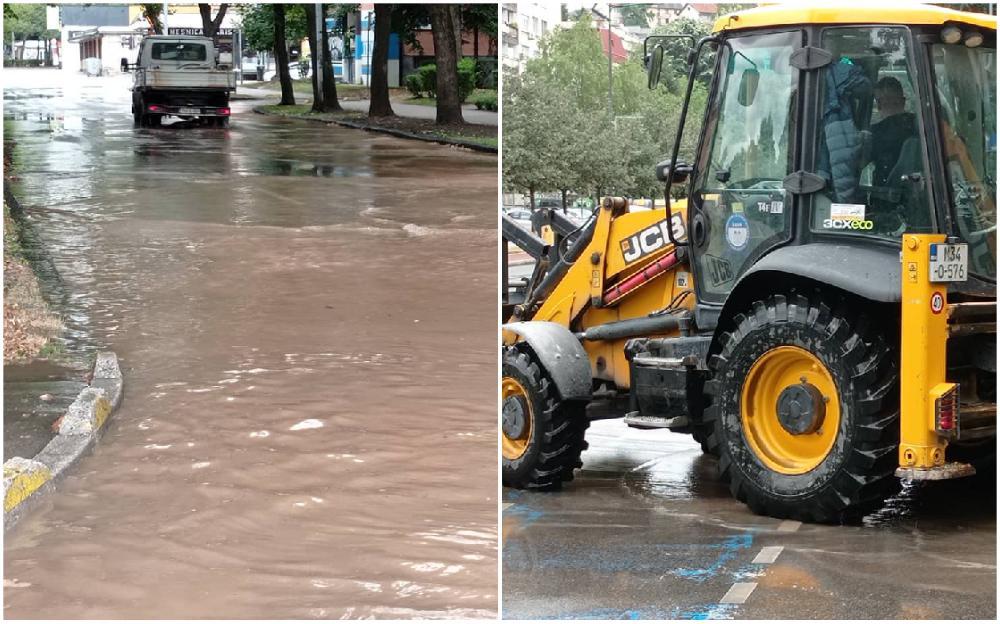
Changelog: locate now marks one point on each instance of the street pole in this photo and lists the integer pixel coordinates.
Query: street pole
(166, 30)
(611, 102)
(319, 46)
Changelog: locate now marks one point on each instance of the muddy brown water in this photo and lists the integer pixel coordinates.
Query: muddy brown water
(306, 321)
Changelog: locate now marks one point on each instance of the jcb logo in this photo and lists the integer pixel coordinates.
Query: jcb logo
(651, 239)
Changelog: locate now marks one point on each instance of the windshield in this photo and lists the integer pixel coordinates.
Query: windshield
(178, 51)
(965, 81)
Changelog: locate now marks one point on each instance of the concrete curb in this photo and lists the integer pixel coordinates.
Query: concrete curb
(26, 481)
(478, 147)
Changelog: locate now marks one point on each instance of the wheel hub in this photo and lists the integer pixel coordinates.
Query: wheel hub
(514, 421)
(801, 409)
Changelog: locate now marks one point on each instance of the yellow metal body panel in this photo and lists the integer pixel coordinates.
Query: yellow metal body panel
(924, 340)
(796, 14)
(569, 304)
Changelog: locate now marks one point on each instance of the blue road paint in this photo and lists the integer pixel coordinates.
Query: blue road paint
(635, 559)
(730, 547)
(712, 611)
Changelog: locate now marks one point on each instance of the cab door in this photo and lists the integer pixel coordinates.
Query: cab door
(739, 205)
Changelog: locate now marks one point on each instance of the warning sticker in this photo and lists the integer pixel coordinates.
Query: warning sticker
(847, 212)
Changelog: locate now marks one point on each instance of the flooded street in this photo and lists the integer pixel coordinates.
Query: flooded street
(646, 531)
(305, 318)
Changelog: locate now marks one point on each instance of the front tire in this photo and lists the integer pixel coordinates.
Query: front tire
(542, 438)
(804, 406)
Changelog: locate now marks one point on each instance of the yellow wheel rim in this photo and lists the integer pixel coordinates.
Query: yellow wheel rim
(779, 374)
(515, 397)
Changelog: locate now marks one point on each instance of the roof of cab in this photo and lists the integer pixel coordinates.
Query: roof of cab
(778, 15)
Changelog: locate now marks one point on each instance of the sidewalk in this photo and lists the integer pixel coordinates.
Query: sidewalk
(401, 108)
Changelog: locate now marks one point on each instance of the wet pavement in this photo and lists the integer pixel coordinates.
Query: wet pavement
(647, 532)
(305, 320)
(35, 396)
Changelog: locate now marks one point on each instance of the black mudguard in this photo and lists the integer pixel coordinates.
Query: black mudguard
(561, 354)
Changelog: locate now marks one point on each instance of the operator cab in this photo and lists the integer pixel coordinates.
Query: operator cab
(815, 136)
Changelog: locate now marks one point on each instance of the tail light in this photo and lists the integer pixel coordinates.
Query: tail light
(946, 409)
(223, 111)
(153, 108)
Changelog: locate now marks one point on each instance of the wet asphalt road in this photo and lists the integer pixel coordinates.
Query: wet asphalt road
(647, 532)
(305, 318)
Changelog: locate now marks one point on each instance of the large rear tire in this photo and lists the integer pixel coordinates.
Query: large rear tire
(804, 405)
(542, 438)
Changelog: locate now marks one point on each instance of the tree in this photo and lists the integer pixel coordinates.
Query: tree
(443, 24)
(210, 26)
(380, 105)
(634, 15)
(280, 43)
(480, 18)
(330, 102)
(557, 132)
(153, 14)
(325, 97)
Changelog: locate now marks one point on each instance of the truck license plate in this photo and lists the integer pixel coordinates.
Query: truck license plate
(949, 263)
(189, 111)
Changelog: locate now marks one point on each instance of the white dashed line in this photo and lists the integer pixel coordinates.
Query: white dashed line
(789, 526)
(738, 593)
(768, 554)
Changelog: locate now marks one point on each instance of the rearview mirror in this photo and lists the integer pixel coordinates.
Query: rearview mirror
(124, 64)
(666, 169)
(748, 87)
(655, 66)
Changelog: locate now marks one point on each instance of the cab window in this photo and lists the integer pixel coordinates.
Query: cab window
(870, 151)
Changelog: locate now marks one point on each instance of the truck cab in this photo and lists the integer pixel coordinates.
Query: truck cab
(182, 76)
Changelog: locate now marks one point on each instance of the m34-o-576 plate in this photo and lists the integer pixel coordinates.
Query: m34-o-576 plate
(949, 263)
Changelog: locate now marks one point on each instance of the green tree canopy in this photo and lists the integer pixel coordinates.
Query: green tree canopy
(258, 24)
(26, 21)
(557, 133)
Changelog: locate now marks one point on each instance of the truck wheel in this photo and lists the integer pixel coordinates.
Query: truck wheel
(804, 404)
(542, 438)
(136, 118)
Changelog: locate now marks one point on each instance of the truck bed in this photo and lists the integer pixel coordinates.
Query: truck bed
(213, 79)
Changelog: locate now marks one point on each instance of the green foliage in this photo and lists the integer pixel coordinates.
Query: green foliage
(634, 15)
(414, 84)
(556, 128)
(26, 21)
(258, 24)
(466, 78)
(486, 100)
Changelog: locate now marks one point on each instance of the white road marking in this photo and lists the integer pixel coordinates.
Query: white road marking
(768, 554)
(738, 593)
(789, 526)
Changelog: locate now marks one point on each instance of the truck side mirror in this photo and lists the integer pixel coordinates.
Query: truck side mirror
(666, 169)
(124, 64)
(748, 87)
(655, 66)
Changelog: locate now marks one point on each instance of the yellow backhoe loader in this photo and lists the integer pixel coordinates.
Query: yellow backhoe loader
(820, 311)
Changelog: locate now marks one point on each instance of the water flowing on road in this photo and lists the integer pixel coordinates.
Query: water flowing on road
(305, 317)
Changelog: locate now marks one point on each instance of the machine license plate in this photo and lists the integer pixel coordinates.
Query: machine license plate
(185, 110)
(949, 263)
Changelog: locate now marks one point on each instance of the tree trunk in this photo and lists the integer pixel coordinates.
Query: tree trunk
(281, 56)
(380, 105)
(317, 105)
(449, 108)
(210, 26)
(330, 102)
(564, 201)
(456, 23)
